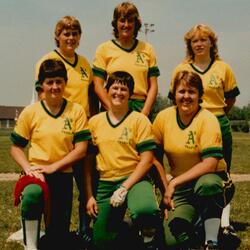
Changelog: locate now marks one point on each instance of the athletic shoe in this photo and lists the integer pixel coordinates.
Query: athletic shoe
(228, 238)
(83, 240)
(148, 239)
(211, 246)
(150, 246)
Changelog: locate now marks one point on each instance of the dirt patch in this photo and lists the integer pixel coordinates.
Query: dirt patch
(9, 176)
(240, 177)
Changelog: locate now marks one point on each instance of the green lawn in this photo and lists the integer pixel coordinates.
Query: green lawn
(241, 153)
(6, 163)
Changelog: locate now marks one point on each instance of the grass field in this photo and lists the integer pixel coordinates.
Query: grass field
(6, 163)
(240, 213)
(241, 153)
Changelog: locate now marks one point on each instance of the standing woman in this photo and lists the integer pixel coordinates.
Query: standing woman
(125, 146)
(190, 136)
(220, 91)
(67, 38)
(126, 53)
(78, 89)
(57, 134)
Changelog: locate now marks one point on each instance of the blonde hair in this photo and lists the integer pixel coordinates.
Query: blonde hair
(66, 22)
(203, 30)
(126, 9)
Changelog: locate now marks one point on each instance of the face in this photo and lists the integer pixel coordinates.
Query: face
(53, 88)
(201, 45)
(69, 40)
(187, 98)
(126, 27)
(118, 95)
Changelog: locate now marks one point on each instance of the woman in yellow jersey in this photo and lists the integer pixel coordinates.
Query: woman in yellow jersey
(126, 53)
(220, 91)
(79, 89)
(125, 145)
(67, 38)
(190, 136)
(57, 133)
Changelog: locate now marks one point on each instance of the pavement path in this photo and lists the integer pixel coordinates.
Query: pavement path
(14, 177)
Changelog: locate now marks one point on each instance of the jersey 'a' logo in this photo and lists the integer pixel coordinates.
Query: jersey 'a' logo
(190, 143)
(67, 124)
(139, 59)
(84, 73)
(213, 82)
(124, 137)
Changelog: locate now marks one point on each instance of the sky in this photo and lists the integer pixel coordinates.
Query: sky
(27, 33)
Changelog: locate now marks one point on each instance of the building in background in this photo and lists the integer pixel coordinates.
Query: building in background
(9, 115)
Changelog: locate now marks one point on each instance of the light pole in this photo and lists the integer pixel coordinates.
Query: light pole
(148, 28)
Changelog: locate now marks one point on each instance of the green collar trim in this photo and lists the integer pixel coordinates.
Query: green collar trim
(117, 124)
(65, 60)
(127, 50)
(202, 72)
(180, 123)
(60, 111)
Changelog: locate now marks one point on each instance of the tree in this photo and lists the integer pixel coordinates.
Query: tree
(239, 118)
(235, 114)
(160, 104)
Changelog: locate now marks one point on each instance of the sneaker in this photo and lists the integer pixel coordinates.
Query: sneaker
(210, 245)
(150, 246)
(148, 239)
(83, 239)
(228, 238)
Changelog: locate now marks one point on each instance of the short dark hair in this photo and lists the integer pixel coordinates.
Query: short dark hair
(126, 9)
(191, 78)
(52, 68)
(122, 77)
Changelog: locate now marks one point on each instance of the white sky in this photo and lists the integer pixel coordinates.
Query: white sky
(27, 33)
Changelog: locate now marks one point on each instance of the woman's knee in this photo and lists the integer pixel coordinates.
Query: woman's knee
(32, 201)
(178, 232)
(208, 185)
(142, 201)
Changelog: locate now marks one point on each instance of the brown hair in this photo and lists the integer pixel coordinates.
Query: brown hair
(66, 22)
(126, 9)
(121, 77)
(201, 29)
(52, 68)
(192, 79)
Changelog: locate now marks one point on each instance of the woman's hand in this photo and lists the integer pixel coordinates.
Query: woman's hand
(20, 157)
(118, 197)
(46, 169)
(168, 199)
(91, 207)
(31, 171)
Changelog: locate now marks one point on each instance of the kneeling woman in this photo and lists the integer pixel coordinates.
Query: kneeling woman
(191, 139)
(57, 133)
(125, 146)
